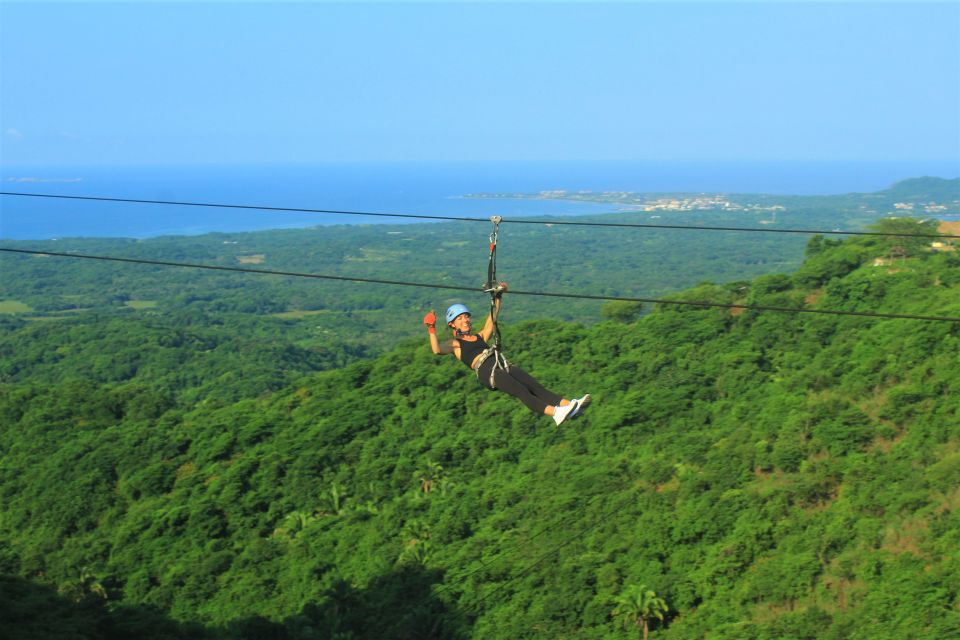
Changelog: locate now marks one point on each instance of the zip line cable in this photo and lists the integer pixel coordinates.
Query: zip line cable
(295, 274)
(570, 223)
(452, 287)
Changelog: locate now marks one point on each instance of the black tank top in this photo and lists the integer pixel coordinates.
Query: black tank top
(469, 350)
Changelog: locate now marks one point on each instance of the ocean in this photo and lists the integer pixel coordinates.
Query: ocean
(426, 189)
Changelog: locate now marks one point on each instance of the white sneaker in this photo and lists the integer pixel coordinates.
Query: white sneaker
(562, 413)
(582, 404)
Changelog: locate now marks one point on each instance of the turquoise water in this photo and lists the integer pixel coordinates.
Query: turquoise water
(426, 189)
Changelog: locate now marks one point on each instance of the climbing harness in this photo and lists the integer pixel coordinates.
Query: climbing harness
(499, 362)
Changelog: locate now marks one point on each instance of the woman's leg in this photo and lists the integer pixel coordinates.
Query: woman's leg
(521, 385)
(505, 382)
(534, 386)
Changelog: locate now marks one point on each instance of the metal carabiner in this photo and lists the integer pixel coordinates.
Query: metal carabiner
(496, 220)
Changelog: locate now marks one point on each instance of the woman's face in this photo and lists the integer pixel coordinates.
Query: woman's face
(462, 322)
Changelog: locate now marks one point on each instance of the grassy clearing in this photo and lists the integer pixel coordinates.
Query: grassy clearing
(376, 255)
(14, 306)
(297, 315)
(141, 304)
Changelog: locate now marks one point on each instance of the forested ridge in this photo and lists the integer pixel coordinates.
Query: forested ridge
(767, 475)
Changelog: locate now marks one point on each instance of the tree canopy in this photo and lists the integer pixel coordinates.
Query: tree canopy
(768, 475)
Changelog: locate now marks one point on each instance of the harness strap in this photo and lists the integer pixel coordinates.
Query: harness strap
(499, 362)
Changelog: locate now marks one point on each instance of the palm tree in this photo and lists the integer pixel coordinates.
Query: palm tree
(416, 542)
(336, 499)
(89, 582)
(430, 476)
(293, 524)
(333, 502)
(417, 552)
(638, 605)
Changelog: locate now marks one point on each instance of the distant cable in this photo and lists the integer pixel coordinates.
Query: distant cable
(241, 206)
(581, 296)
(487, 220)
(214, 267)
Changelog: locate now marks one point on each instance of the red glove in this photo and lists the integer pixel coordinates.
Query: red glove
(430, 320)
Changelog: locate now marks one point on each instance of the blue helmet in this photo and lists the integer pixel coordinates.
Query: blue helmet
(456, 310)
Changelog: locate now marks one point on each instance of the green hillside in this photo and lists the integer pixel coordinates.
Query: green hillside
(768, 475)
(926, 189)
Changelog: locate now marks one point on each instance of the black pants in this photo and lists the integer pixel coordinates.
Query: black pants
(519, 384)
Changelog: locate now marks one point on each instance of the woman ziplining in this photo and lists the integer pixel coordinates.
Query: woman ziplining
(492, 368)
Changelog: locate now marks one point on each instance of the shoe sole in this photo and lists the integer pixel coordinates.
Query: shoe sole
(584, 403)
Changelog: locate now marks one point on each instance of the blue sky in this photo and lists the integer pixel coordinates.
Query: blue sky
(168, 83)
